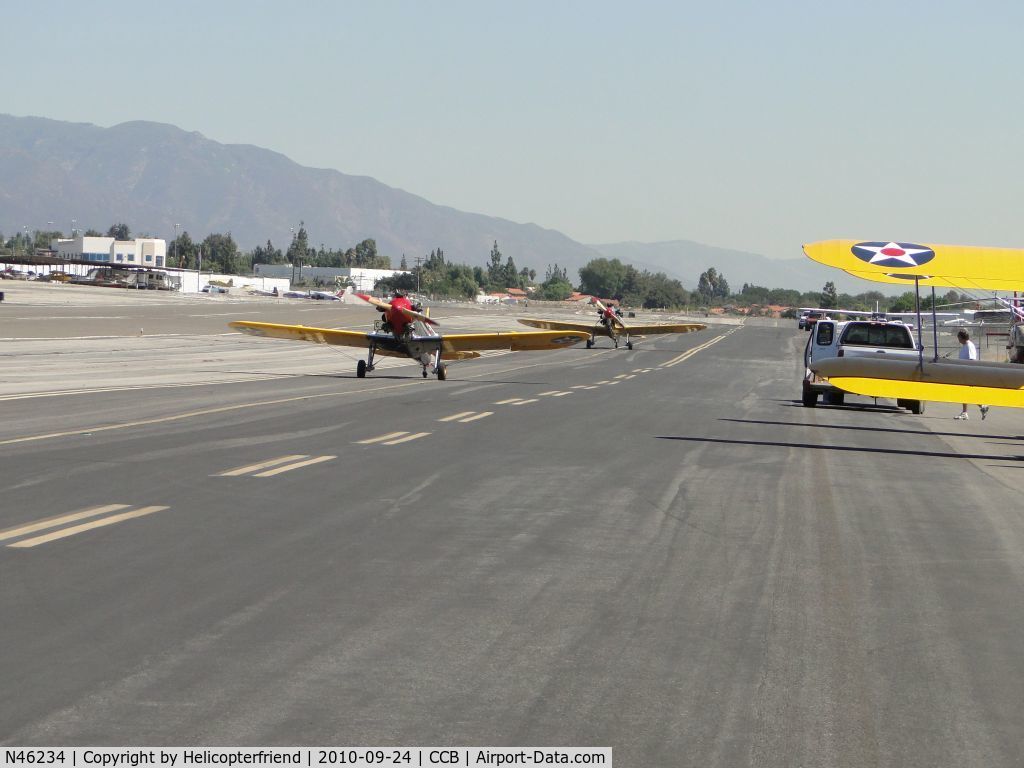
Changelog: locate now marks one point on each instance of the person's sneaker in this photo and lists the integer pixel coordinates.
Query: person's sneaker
(984, 412)
(961, 417)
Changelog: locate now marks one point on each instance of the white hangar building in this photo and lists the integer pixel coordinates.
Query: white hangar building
(140, 252)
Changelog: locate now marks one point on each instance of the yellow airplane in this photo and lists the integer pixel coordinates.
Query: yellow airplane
(407, 332)
(611, 325)
(949, 381)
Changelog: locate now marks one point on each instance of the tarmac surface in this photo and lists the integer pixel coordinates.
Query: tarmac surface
(218, 540)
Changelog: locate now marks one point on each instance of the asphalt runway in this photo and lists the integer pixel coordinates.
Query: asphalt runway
(211, 539)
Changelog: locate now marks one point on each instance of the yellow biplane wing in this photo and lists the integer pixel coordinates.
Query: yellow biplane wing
(558, 325)
(944, 381)
(454, 346)
(302, 333)
(654, 328)
(516, 341)
(633, 330)
(956, 266)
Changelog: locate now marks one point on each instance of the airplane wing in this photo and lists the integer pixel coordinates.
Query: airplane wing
(516, 341)
(647, 330)
(558, 325)
(455, 346)
(633, 330)
(308, 333)
(944, 381)
(302, 333)
(947, 265)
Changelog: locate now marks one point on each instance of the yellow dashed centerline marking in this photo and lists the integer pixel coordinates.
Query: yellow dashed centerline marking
(53, 522)
(296, 465)
(76, 529)
(481, 415)
(262, 465)
(457, 416)
(381, 439)
(407, 438)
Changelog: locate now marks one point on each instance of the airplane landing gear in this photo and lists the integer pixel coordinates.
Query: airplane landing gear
(629, 345)
(590, 343)
(442, 371)
(363, 366)
(424, 372)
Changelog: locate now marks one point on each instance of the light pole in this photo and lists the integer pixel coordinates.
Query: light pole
(293, 250)
(177, 261)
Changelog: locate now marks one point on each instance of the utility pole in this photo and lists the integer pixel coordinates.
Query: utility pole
(418, 260)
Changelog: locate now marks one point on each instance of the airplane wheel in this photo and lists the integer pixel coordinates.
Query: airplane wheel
(424, 373)
(916, 407)
(442, 372)
(589, 344)
(361, 369)
(629, 345)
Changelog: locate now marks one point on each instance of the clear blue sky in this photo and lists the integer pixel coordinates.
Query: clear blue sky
(747, 125)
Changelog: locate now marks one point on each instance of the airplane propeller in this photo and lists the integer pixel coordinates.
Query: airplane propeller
(604, 311)
(404, 310)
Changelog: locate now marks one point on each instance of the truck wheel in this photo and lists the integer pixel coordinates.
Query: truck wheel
(835, 398)
(810, 397)
(915, 406)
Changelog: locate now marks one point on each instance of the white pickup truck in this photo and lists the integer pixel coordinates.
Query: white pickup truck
(864, 338)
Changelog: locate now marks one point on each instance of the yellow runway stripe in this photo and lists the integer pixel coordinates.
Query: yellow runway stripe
(407, 438)
(261, 465)
(691, 352)
(381, 439)
(64, 533)
(296, 465)
(481, 415)
(53, 522)
(457, 416)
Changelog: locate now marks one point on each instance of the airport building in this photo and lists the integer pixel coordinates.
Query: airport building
(140, 252)
(361, 279)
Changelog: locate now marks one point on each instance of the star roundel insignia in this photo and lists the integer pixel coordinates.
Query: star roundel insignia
(893, 254)
(565, 340)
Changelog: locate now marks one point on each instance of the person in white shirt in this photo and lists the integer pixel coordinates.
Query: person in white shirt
(968, 352)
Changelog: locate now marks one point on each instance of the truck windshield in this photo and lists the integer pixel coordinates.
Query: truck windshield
(892, 336)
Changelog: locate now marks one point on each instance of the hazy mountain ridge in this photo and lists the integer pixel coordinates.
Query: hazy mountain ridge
(152, 175)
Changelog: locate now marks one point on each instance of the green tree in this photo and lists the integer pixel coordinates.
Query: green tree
(904, 303)
(220, 254)
(183, 251)
(603, 278)
(829, 297)
(119, 232)
(712, 286)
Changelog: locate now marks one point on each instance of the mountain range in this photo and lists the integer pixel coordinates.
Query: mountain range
(152, 176)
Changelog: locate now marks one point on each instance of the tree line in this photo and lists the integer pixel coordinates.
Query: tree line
(435, 275)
